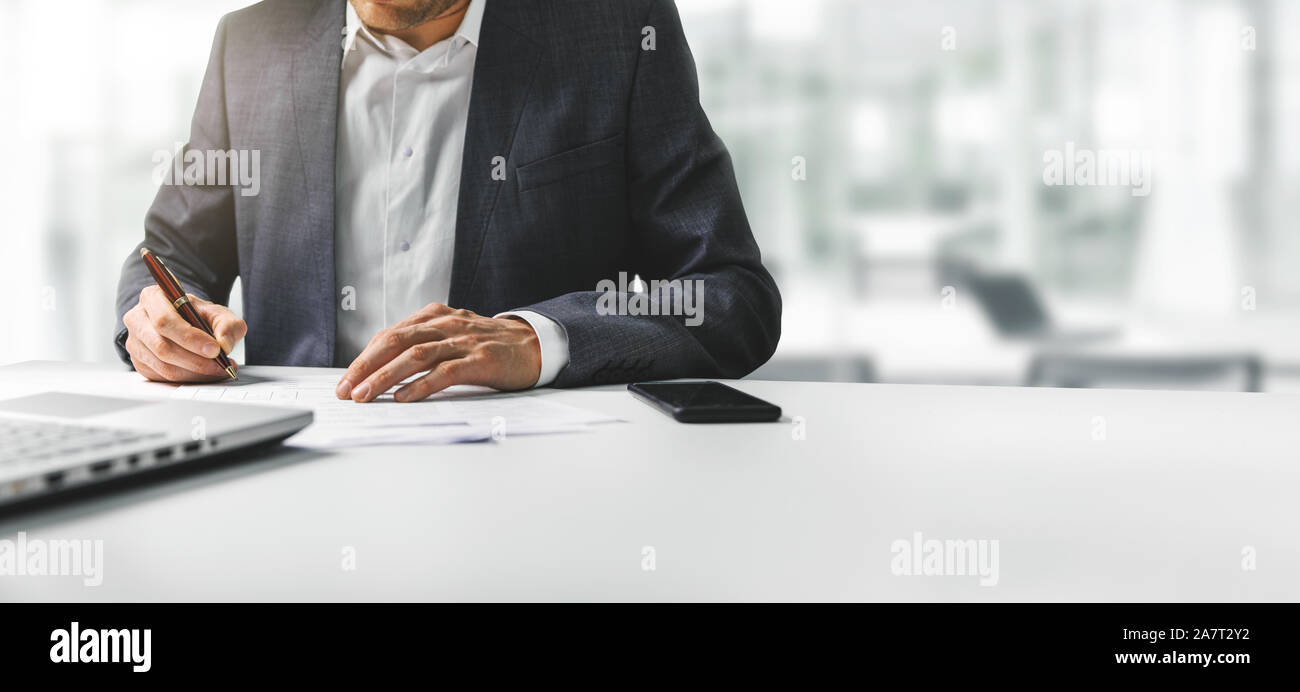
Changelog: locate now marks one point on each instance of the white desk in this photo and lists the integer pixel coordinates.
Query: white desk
(1159, 510)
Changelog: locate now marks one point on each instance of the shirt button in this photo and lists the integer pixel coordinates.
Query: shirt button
(405, 246)
(407, 152)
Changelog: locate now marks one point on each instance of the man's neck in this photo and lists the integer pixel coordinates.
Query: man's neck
(429, 33)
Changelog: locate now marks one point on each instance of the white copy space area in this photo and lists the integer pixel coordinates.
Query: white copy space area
(1092, 495)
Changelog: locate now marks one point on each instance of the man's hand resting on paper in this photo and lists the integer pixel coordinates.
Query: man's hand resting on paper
(165, 348)
(455, 346)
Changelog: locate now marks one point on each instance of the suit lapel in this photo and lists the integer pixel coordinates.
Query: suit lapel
(315, 83)
(503, 73)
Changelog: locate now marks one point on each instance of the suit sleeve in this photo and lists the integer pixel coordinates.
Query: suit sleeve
(191, 226)
(688, 224)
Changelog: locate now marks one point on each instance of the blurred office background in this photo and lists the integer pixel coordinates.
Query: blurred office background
(893, 157)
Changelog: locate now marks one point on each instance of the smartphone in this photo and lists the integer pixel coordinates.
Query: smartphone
(705, 402)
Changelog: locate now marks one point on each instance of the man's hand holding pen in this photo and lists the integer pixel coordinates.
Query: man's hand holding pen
(165, 348)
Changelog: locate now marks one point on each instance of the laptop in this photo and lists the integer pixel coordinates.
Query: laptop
(56, 441)
(1014, 307)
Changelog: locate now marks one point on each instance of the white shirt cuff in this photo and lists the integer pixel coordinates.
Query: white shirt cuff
(552, 340)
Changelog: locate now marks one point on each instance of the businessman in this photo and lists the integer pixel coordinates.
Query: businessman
(444, 187)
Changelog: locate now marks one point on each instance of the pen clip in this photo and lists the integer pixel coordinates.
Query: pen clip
(175, 282)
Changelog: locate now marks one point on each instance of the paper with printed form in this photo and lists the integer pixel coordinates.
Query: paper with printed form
(459, 414)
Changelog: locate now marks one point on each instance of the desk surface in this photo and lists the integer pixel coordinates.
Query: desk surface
(1092, 495)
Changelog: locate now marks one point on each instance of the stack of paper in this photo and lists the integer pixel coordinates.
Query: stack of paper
(459, 414)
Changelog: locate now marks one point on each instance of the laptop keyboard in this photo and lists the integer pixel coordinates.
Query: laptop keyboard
(27, 441)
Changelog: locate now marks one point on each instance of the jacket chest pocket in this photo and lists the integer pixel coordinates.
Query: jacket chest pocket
(571, 163)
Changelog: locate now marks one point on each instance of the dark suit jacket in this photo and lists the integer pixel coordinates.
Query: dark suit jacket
(611, 165)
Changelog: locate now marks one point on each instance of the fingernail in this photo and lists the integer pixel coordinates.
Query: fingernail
(211, 350)
(361, 393)
(401, 395)
(343, 389)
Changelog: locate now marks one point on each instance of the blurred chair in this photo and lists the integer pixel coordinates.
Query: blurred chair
(1231, 372)
(816, 369)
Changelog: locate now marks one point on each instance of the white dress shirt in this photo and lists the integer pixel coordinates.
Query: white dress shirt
(401, 134)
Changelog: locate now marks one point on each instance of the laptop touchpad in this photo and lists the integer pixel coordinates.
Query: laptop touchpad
(61, 405)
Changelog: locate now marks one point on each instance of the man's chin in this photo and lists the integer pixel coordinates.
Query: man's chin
(382, 15)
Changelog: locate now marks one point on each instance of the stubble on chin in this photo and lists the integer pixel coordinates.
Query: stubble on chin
(394, 17)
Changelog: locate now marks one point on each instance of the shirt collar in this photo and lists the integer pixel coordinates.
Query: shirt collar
(472, 23)
(469, 28)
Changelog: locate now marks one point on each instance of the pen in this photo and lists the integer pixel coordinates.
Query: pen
(172, 288)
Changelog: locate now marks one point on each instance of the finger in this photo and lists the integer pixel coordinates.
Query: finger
(227, 327)
(171, 353)
(140, 367)
(148, 363)
(417, 358)
(444, 375)
(385, 346)
(426, 313)
(161, 370)
(163, 349)
(169, 323)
